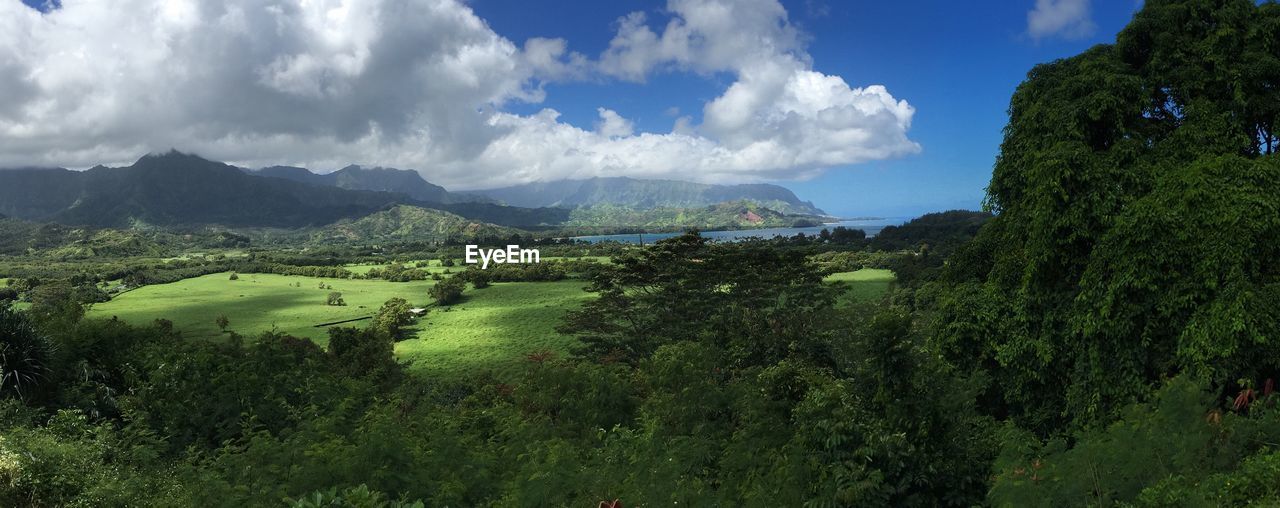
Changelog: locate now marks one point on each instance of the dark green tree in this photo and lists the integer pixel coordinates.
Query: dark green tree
(448, 291)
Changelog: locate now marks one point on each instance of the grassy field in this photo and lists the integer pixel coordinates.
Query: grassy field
(493, 328)
(865, 284)
(256, 303)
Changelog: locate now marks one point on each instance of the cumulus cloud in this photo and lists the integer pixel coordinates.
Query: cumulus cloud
(1069, 19)
(420, 84)
(612, 124)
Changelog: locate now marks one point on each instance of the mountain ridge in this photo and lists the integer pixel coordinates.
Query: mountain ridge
(647, 194)
(174, 188)
(356, 177)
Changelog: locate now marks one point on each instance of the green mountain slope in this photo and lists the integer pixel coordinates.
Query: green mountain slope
(374, 179)
(176, 189)
(405, 223)
(742, 214)
(647, 194)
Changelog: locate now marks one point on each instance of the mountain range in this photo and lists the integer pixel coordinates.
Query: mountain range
(175, 189)
(615, 191)
(647, 194)
(355, 177)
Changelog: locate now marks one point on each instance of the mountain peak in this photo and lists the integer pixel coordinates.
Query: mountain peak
(172, 154)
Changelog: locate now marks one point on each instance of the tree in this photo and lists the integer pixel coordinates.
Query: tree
(448, 291)
(234, 276)
(364, 353)
(1095, 279)
(392, 317)
(56, 301)
(335, 299)
(222, 322)
(479, 278)
(759, 303)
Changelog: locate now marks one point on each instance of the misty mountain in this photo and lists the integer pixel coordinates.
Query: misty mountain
(178, 189)
(355, 177)
(647, 194)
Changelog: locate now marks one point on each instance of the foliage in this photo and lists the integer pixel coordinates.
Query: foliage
(762, 303)
(1135, 200)
(942, 232)
(1177, 449)
(367, 353)
(354, 497)
(25, 354)
(335, 299)
(394, 315)
(448, 291)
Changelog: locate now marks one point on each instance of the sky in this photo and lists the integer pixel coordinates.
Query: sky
(864, 108)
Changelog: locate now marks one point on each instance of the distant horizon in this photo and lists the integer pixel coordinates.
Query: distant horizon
(902, 211)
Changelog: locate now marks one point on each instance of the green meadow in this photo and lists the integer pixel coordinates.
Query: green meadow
(257, 303)
(493, 328)
(865, 284)
(490, 329)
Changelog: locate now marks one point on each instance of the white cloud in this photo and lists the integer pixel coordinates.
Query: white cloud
(1069, 19)
(612, 124)
(421, 84)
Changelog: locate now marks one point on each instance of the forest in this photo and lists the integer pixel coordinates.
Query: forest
(1102, 334)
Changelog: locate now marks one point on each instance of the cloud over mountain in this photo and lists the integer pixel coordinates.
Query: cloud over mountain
(419, 83)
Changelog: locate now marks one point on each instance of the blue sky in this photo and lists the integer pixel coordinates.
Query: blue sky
(487, 93)
(957, 63)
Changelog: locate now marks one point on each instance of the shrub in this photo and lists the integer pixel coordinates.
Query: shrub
(448, 291)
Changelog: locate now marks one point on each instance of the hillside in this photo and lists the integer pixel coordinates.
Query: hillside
(407, 223)
(355, 177)
(180, 190)
(19, 237)
(729, 215)
(175, 189)
(647, 194)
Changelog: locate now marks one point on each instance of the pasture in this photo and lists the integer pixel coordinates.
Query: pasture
(862, 285)
(257, 303)
(493, 328)
(490, 329)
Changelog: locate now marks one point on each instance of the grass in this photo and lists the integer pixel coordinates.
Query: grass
(256, 303)
(863, 285)
(490, 329)
(493, 328)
